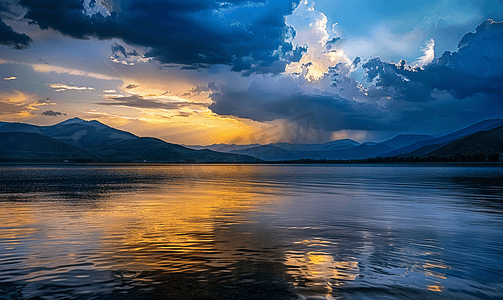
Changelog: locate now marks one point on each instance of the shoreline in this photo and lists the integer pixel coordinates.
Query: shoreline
(276, 163)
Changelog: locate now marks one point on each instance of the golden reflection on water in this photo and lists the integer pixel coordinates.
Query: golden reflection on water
(209, 218)
(435, 288)
(174, 225)
(319, 271)
(431, 269)
(17, 222)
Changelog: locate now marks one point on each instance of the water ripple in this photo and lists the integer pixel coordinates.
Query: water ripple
(251, 232)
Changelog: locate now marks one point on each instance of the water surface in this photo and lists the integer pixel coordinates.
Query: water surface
(251, 232)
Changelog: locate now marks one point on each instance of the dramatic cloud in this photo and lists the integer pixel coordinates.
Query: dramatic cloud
(51, 113)
(477, 67)
(250, 35)
(466, 84)
(13, 39)
(486, 29)
(291, 96)
(141, 102)
(393, 84)
(322, 50)
(16, 104)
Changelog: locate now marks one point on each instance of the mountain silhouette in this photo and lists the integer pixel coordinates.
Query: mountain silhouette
(485, 142)
(426, 146)
(404, 140)
(79, 140)
(91, 141)
(152, 149)
(26, 145)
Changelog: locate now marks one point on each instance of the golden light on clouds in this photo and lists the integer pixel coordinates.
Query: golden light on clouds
(172, 106)
(16, 96)
(178, 114)
(315, 63)
(16, 105)
(188, 127)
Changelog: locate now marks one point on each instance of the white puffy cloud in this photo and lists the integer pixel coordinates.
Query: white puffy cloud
(311, 31)
(428, 56)
(60, 87)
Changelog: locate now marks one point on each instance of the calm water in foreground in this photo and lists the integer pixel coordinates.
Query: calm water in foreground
(251, 232)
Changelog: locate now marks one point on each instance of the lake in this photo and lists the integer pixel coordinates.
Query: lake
(251, 232)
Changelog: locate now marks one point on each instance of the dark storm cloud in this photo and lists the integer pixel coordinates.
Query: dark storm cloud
(477, 67)
(140, 102)
(51, 113)
(486, 29)
(193, 33)
(286, 99)
(268, 62)
(6, 7)
(334, 112)
(118, 49)
(465, 85)
(13, 39)
(399, 81)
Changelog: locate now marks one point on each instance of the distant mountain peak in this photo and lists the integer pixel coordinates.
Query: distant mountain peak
(97, 124)
(78, 120)
(75, 120)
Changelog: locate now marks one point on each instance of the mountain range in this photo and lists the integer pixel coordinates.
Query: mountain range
(91, 141)
(78, 140)
(486, 141)
(403, 145)
(424, 147)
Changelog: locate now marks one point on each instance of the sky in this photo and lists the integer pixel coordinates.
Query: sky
(260, 71)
